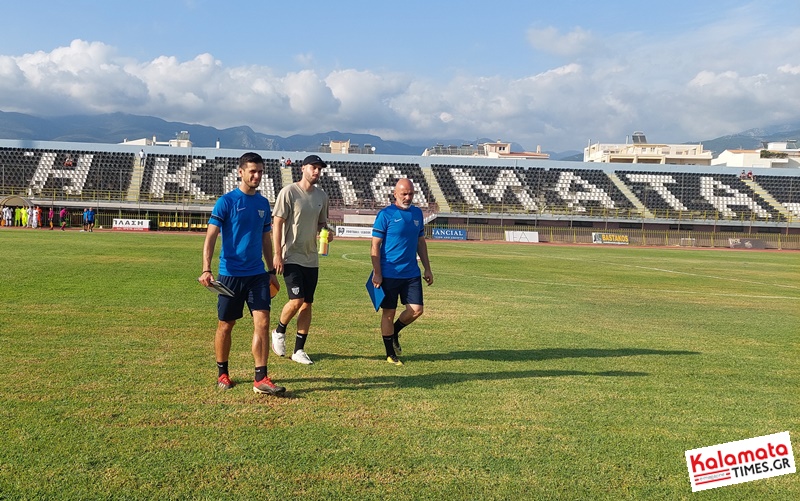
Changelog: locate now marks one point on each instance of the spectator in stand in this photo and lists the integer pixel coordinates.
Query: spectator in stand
(750, 175)
(743, 175)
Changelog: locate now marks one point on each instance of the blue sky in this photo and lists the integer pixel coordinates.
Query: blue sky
(555, 74)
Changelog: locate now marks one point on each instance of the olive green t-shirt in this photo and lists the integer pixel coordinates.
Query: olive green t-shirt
(303, 212)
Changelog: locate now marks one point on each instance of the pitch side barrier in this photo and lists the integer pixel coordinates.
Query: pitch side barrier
(636, 237)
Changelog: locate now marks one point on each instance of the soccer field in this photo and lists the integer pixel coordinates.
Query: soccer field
(536, 372)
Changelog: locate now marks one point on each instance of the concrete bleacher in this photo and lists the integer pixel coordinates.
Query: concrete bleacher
(69, 175)
(485, 188)
(368, 184)
(170, 177)
(195, 178)
(785, 191)
(699, 193)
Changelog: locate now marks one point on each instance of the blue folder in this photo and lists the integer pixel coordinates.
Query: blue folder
(376, 295)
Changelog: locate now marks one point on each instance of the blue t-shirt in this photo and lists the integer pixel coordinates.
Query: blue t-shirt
(243, 219)
(400, 230)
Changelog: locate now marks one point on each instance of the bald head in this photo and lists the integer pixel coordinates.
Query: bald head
(404, 193)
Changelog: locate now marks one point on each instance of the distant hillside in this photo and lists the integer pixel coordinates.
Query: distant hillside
(752, 138)
(569, 155)
(116, 127)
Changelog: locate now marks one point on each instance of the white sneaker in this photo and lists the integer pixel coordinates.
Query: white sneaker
(279, 343)
(301, 357)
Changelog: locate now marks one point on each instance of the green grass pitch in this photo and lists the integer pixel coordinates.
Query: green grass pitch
(536, 372)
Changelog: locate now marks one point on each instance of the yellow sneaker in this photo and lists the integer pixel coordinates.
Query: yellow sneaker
(394, 360)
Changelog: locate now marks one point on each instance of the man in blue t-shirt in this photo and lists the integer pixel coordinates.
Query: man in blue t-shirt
(398, 236)
(244, 219)
(90, 218)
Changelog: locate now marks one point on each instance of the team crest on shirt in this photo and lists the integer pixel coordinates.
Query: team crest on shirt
(295, 290)
(261, 214)
(416, 222)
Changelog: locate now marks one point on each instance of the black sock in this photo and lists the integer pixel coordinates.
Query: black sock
(387, 342)
(398, 326)
(299, 342)
(222, 368)
(261, 372)
(281, 328)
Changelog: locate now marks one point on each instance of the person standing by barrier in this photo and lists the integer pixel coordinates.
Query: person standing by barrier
(301, 211)
(244, 219)
(90, 219)
(50, 216)
(63, 215)
(398, 236)
(7, 215)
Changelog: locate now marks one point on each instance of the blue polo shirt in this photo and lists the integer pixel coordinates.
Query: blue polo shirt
(243, 219)
(400, 230)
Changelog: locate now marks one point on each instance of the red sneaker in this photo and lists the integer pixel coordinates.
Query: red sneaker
(267, 386)
(224, 382)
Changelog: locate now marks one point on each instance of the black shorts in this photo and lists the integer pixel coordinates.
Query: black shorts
(301, 282)
(252, 290)
(408, 289)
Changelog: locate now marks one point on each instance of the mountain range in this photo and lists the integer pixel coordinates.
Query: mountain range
(117, 127)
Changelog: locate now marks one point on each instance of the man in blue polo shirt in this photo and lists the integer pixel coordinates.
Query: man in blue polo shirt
(90, 218)
(244, 219)
(398, 236)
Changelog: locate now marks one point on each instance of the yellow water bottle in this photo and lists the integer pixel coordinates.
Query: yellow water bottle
(323, 242)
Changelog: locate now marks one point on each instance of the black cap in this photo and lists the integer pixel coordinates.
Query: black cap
(314, 159)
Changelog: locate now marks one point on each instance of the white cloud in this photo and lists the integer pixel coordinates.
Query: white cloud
(365, 97)
(306, 60)
(692, 86)
(551, 41)
(309, 95)
(788, 68)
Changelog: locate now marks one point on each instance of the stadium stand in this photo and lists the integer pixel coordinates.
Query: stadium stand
(695, 194)
(368, 185)
(175, 177)
(183, 183)
(785, 191)
(68, 175)
(494, 189)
